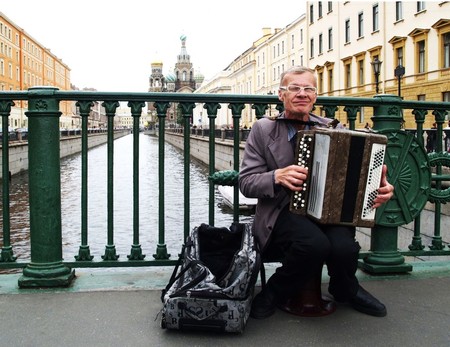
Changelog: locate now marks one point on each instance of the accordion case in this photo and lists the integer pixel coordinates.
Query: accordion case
(344, 174)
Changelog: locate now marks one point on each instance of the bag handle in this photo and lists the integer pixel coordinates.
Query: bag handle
(200, 277)
(174, 273)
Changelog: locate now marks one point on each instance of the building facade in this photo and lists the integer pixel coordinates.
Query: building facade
(25, 63)
(341, 40)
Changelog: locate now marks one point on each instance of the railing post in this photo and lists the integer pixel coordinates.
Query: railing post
(385, 257)
(46, 268)
(7, 254)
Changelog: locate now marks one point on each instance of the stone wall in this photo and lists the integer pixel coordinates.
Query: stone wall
(199, 146)
(18, 151)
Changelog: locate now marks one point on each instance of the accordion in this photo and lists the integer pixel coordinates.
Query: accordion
(344, 174)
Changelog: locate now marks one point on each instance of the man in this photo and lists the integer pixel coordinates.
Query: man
(268, 173)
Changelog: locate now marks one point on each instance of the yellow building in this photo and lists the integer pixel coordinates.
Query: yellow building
(25, 63)
(341, 40)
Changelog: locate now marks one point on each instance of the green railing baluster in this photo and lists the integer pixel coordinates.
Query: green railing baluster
(330, 111)
(186, 110)
(211, 109)
(46, 267)
(136, 111)
(352, 112)
(236, 110)
(436, 242)
(7, 251)
(161, 248)
(84, 253)
(416, 243)
(110, 248)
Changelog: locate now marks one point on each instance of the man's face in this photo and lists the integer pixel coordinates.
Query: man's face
(298, 104)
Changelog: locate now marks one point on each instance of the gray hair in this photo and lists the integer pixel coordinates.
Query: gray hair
(298, 70)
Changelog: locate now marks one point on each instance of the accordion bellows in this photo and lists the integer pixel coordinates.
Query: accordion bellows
(344, 174)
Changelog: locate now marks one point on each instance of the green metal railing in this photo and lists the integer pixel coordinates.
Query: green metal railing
(418, 177)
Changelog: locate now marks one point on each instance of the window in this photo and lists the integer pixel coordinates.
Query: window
(421, 56)
(347, 31)
(330, 6)
(330, 38)
(311, 14)
(360, 24)
(301, 35)
(398, 10)
(361, 72)
(420, 6)
(320, 43)
(330, 80)
(399, 53)
(375, 18)
(348, 75)
(398, 48)
(311, 48)
(320, 78)
(421, 97)
(446, 50)
(292, 41)
(320, 9)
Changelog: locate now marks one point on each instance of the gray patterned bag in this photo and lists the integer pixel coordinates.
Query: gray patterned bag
(212, 289)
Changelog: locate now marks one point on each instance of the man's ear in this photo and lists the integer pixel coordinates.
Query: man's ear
(280, 95)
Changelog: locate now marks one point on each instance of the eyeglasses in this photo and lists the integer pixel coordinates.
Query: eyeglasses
(296, 89)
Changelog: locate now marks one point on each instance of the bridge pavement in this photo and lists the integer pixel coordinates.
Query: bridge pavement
(120, 308)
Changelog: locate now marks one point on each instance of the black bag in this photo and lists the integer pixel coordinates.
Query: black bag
(212, 286)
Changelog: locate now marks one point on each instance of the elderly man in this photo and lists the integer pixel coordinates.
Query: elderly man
(268, 173)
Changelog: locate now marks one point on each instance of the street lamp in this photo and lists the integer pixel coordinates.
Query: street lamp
(376, 65)
(399, 72)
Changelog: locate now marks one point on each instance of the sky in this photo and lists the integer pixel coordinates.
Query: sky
(109, 45)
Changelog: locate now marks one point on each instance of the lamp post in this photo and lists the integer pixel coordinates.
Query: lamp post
(376, 65)
(399, 72)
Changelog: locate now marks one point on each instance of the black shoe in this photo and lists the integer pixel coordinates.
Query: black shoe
(366, 303)
(264, 304)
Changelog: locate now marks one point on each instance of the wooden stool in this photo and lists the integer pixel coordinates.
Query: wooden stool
(309, 301)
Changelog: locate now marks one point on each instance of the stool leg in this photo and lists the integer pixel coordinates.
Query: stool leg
(309, 302)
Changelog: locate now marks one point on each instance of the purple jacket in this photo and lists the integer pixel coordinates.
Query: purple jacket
(267, 149)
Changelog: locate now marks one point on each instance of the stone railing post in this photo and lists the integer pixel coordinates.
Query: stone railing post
(46, 268)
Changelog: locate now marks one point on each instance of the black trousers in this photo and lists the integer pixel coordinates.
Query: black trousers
(304, 246)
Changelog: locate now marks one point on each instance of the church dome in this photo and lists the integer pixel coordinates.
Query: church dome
(199, 77)
(170, 77)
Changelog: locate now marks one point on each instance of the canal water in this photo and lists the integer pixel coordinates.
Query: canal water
(123, 201)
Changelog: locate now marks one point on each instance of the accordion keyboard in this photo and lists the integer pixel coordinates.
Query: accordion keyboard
(373, 180)
(304, 160)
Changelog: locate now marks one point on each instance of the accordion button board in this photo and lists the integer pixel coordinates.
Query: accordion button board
(344, 174)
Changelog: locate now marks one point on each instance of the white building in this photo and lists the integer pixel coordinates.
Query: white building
(340, 40)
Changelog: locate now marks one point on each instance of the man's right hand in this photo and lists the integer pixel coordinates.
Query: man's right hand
(292, 177)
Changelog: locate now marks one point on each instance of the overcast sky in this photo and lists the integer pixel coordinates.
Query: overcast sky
(109, 45)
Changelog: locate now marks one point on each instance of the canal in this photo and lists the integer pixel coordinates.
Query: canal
(123, 201)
